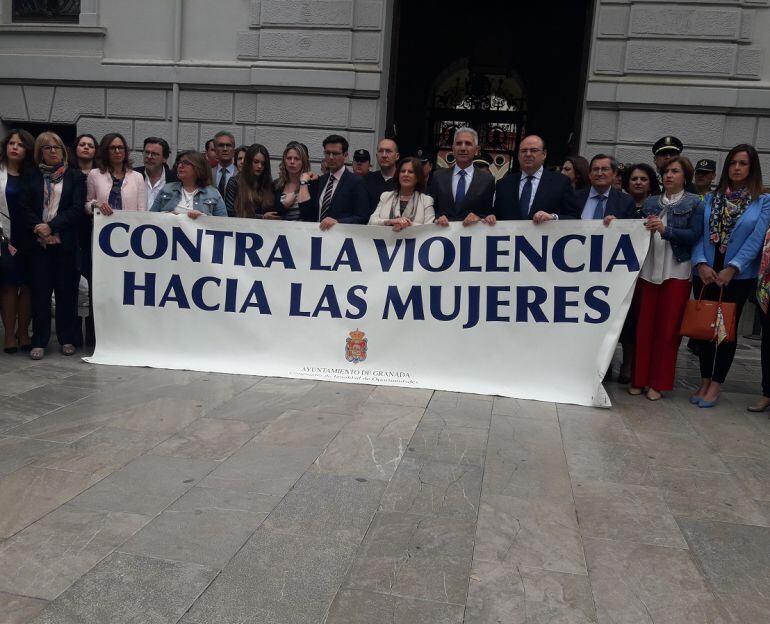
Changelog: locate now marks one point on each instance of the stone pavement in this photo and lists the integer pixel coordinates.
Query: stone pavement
(137, 496)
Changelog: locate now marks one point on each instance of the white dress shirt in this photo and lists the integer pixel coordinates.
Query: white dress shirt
(456, 178)
(535, 183)
(592, 201)
(154, 189)
(337, 175)
(218, 173)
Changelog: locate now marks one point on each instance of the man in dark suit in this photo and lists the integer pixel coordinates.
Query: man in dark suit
(338, 196)
(463, 193)
(384, 180)
(534, 192)
(601, 200)
(155, 171)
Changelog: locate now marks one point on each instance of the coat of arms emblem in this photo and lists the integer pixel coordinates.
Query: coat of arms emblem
(355, 347)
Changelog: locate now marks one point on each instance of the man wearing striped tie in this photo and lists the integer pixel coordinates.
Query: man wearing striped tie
(338, 196)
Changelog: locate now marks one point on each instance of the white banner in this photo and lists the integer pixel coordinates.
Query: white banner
(516, 309)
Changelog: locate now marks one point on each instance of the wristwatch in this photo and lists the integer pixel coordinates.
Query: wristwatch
(304, 183)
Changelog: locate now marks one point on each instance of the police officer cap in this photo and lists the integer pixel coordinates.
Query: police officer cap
(362, 155)
(424, 154)
(667, 144)
(706, 165)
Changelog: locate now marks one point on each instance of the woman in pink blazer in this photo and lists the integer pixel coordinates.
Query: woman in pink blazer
(114, 185)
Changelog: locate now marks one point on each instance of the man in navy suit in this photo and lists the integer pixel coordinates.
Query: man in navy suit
(534, 192)
(338, 196)
(461, 192)
(600, 200)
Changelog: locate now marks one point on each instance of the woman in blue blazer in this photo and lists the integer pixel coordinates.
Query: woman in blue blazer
(727, 256)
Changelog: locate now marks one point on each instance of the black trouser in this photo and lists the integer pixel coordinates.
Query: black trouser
(715, 361)
(53, 271)
(765, 352)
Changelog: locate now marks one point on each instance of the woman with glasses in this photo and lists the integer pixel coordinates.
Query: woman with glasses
(193, 194)
(15, 157)
(51, 208)
(115, 185)
(251, 194)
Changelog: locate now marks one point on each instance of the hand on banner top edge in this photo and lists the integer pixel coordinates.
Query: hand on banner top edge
(541, 216)
(608, 219)
(442, 221)
(327, 223)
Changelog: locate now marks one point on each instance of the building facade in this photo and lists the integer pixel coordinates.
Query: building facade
(276, 70)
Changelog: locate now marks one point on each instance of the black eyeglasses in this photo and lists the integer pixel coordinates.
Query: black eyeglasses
(185, 163)
(51, 148)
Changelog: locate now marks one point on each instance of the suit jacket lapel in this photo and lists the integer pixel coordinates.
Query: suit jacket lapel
(448, 185)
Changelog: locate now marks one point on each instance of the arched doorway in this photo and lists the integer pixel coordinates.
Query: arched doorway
(505, 68)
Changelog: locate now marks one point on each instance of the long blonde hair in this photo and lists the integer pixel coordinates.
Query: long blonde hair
(283, 175)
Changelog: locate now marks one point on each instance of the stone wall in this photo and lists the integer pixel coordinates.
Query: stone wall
(697, 70)
(267, 70)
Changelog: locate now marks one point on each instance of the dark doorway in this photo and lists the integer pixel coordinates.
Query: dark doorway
(504, 68)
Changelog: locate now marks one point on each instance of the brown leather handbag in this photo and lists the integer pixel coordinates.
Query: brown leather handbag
(700, 318)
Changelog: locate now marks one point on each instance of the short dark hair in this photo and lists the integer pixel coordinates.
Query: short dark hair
(651, 174)
(754, 182)
(687, 168)
(209, 142)
(158, 141)
(103, 153)
(200, 164)
(336, 138)
(613, 162)
(419, 173)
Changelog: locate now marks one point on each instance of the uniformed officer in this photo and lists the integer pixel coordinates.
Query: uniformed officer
(705, 172)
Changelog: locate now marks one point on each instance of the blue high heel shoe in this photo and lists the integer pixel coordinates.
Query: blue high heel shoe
(703, 403)
(695, 399)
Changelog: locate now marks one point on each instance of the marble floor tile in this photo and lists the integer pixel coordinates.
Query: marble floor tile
(126, 589)
(303, 428)
(613, 463)
(427, 487)
(707, 496)
(385, 419)
(262, 468)
(208, 438)
(99, 453)
(643, 583)
(527, 532)
(520, 436)
(19, 609)
(501, 594)
(328, 506)
(539, 410)
(60, 393)
(392, 395)
(251, 406)
(332, 397)
(752, 473)
(665, 418)
(17, 382)
(680, 450)
(18, 452)
(521, 468)
(278, 578)
(359, 454)
(146, 486)
(15, 411)
(746, 609)
(633, 513)
(365, 607)
(204, 498)
(208, 537)
(30, 493)
(47, 557)
(592, 425)
(735, 558)
(424, 557)
(67, 424)
(731, 432)
(457, 445)
(162, 416)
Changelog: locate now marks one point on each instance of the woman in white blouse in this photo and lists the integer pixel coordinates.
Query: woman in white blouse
(675, 222)
(407, 204)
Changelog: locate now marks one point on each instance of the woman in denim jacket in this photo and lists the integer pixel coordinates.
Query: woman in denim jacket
(675, 222)
(193, 194)
(727, 256)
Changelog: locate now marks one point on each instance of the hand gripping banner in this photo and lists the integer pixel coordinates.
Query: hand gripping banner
(515, 309)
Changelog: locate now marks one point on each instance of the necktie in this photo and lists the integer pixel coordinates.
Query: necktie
(599, 210)
(327, 199)
(222, 182)
(460, 192)
(526, 195)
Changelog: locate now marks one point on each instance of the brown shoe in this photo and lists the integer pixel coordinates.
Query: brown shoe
(760, 406)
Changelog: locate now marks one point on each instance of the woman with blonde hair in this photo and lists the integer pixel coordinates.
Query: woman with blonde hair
(295, 163)
(51, 208)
